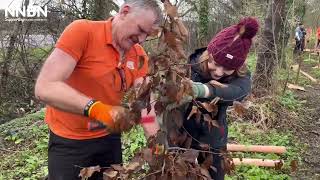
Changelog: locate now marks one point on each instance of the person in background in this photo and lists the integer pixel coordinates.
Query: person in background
(300, 34)
(83, 82)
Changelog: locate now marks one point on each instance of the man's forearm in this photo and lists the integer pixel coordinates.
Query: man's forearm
(61, 96)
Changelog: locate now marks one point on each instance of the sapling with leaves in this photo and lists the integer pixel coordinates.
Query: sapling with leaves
(189, 95)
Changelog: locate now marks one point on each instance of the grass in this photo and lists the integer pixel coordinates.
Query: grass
(25, 141)
(245, 133)
(26, 148)
(251, 61)
(27, 137)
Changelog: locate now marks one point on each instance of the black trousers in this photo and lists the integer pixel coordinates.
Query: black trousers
(66, 156)
(201, 133)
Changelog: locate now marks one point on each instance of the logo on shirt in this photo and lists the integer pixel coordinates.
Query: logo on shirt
(130, 65)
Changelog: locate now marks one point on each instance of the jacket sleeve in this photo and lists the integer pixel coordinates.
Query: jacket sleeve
(237, 89)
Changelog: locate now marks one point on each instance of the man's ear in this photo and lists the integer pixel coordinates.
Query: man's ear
(125, 10)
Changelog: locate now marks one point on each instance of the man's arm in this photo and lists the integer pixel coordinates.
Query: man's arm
(51, 87)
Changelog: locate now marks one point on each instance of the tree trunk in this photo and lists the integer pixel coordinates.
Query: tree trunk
(268, 50)
(203, 22)
(101, 9)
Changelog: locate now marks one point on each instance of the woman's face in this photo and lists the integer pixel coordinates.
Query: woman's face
(217, 71)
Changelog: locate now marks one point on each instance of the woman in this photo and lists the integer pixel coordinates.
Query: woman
(223, 61)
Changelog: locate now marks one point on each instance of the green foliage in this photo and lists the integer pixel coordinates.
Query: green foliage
(256, 173)
(203, 19)
(316, 73)
(252, 61)
(26, 157)
(245, 133)
(132, 142)
(282, 76)
(290, 101)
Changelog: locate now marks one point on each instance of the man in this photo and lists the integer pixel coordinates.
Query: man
(300, 34)
(83, 81)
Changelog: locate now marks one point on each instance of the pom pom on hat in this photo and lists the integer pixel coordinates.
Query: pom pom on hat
(248, 27)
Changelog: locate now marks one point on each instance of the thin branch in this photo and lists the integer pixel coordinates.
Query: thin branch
(185, 149)
(185, 13)
(155, 172)
(197, 140)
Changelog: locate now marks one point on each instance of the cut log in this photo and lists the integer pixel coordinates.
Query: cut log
(256, 162)
(256, 148)
(293, 86)
(295, 68)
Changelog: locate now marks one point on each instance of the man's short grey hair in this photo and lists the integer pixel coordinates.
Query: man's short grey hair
(148, 4)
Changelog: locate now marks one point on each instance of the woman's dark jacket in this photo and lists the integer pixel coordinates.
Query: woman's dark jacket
(237, 89)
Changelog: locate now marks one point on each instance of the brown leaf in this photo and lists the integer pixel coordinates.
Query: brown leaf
(87, 172)
(211, 122)
(171, 90)
(181, 167)
(170, 38)
(180, 51)
(227, 164)
(132, 166)
(208, 107)
(110, 174)
(190, 155)
(156, 80)
(152, 68)
(147, 154)
(170, 9)
(205, 173)
(188, 142)
(173, 136)
(192, 112)
(208, 161)
(117, 167)
(144, 89)
(239, 108)
(278, 165)
(177, 117)
(215, 101)
(182, 138)
(294, 165)
(149, 107)
(159, 108)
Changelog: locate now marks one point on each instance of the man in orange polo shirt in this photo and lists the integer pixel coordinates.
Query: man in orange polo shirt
(83, 81)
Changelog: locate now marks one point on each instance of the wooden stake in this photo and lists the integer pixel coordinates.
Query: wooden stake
(256, 148)
(295, 68)
(256, 162)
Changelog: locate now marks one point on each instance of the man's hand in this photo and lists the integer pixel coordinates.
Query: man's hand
(122, 119)
(116, 118)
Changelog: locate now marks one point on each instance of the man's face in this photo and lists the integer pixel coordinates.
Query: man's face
(133, 27)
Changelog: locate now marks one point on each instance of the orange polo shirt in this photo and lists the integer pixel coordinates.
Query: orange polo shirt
(318, 32)
(95, 75)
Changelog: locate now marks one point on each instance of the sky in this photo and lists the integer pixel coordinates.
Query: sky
(5, 3)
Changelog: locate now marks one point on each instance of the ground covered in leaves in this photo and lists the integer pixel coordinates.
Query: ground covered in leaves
(307, 127)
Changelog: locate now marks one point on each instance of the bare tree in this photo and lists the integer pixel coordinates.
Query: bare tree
(268, 49)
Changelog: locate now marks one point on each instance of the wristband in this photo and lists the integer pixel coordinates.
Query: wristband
(87, 108)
